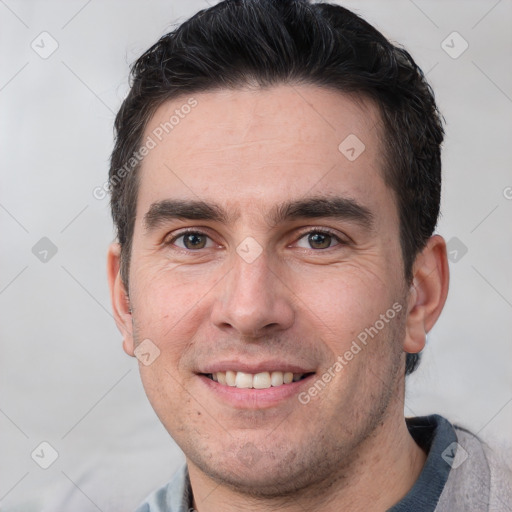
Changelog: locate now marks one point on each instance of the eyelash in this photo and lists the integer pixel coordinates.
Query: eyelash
(323, 231)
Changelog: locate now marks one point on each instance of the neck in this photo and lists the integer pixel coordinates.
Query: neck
(387, 465)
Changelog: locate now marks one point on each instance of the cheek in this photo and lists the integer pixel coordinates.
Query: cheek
(166, 312)
(166, 299)
(166, 392)
(344, 301)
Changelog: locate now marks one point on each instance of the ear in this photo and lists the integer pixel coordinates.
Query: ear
(428, 293)
(119, 298)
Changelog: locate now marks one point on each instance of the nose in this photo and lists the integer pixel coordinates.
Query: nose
(252, 300)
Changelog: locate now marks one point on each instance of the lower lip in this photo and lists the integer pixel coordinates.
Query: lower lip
(255, 398)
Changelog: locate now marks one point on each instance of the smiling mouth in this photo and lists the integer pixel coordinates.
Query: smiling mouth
(262, 380)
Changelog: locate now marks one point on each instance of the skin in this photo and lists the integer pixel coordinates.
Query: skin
(248, 150)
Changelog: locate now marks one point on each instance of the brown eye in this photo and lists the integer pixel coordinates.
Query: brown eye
(192, 240)
(319, 239)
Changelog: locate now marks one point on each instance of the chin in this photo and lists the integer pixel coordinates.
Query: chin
(260, 482)
(259, 474)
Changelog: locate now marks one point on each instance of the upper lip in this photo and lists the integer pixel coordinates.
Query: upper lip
(270, 365)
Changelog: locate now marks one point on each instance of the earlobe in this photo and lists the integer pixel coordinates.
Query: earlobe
(428, 293)
(119, 298)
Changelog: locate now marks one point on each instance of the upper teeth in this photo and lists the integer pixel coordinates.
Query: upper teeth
(261, 380)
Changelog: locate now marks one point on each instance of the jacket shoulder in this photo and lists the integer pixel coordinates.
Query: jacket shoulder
(479, 480)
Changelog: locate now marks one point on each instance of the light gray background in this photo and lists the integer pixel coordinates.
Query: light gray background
(63, 375)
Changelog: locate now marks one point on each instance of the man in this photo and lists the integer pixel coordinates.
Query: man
(275, 187)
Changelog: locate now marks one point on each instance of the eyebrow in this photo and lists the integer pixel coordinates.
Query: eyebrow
(342, 208)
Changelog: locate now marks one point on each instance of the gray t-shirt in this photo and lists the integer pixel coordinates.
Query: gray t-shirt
(461, 473)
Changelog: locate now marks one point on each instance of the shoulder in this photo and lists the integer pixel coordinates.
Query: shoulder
(157, 501)
(171, 497)
(479, 478)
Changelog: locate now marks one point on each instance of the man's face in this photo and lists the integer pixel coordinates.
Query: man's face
(297, 254)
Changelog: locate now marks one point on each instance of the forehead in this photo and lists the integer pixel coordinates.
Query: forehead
(252, 147)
